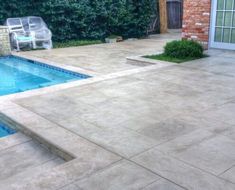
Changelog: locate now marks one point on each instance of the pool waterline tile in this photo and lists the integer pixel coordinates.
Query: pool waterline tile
(20, 74)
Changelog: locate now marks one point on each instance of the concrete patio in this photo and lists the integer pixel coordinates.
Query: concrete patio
(149, 128)
(105, 58)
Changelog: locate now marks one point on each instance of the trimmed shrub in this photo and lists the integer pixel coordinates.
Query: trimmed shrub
(183, 49)
(85, 19)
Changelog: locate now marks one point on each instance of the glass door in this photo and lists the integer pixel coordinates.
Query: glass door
(223, 24)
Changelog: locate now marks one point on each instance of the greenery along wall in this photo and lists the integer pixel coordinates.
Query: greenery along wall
(85, 19)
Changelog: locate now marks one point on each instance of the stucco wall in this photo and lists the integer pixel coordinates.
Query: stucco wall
(5, 48)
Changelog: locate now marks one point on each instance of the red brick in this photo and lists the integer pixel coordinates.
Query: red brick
(196, 20)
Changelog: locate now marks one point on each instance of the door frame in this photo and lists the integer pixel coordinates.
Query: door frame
(212, 44)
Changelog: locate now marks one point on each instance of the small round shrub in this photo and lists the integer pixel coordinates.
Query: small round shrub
(183, 49)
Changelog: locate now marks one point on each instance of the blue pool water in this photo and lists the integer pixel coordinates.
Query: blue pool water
(19, 75)
(5, 131)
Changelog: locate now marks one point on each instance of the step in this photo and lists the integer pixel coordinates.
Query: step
(20, 154)
(13, 140)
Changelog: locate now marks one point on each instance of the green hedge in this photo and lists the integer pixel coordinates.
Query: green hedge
(183, 49)
(85, 19)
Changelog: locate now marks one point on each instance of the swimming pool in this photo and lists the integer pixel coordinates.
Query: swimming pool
(5, 131)
(19, 75)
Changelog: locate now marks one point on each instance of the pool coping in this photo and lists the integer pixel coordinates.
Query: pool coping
(52, 88)
(54, 64)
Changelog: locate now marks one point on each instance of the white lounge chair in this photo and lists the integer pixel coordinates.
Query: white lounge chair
(41, 34)
(18, 36)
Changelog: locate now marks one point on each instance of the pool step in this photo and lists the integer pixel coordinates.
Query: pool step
(20, 155)
(13, 140)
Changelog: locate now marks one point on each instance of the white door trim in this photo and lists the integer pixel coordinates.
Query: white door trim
(212, 44)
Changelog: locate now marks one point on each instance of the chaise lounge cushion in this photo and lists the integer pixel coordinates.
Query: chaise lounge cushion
(24, 38)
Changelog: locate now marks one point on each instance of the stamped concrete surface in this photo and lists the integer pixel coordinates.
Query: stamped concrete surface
(19, 154)
(105, 58)
(169, 128)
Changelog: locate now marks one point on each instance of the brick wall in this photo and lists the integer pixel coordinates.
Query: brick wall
(5, 48)
(196, 20)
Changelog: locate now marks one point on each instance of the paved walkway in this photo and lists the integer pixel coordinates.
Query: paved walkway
(169, 128)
